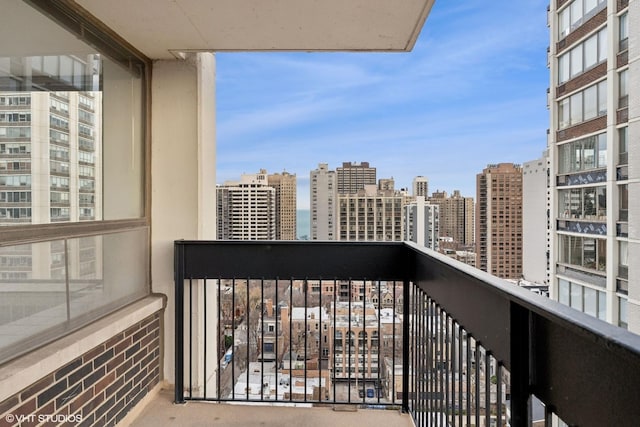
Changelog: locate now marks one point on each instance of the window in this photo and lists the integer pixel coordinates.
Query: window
(624, 32)
(581, 106)
(576, 14)
(583, 154)
(583, 298)
(585, 252)
(69, 88)
(623, 90)
(583, 57)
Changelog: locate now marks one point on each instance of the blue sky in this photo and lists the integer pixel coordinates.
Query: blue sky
(472, 92)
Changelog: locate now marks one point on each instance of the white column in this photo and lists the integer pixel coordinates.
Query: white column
(183, 182)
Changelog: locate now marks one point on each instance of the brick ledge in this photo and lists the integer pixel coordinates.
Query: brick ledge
(27, 369)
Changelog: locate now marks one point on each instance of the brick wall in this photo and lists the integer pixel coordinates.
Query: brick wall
(583, 79)
(593, 125)
(98, 388)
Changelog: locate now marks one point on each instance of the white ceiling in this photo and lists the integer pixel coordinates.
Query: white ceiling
(158, 27)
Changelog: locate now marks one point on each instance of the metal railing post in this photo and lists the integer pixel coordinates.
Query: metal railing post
(405, 345)
(520, 365)
(179, 322)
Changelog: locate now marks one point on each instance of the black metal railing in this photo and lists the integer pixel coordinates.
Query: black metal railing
(391, 324)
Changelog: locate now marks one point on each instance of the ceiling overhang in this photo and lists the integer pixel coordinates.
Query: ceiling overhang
(162, 28)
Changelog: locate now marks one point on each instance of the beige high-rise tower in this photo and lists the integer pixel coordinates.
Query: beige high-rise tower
(456, 217)
(285, 185)
(499, 220)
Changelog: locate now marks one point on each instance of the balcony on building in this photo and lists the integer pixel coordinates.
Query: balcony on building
(105, 309)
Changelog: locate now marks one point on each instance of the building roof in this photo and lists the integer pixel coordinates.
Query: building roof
(312, 313)
(159, 28)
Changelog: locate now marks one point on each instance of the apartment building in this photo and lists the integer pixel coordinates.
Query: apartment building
(536, 207)
(371, 214)
(353, 177)
(354, 341)
(422, 223)
(286, 214)
(499, 220)
(247, 208)
(324, 203)
(457, 217)
(593, 149)
(420, 187)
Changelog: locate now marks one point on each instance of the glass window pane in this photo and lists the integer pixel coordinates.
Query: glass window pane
(563, 113)
(91, 109)
(590, 302)
(624, 27)
(564, 23)
(576, 61)
(589, 5)
(563, 291)
(590, 102)
(590, 52)
(602, 45)
(576, 108)
(35, 301)
(602, 98)
(563, 68)
(602, 306)
(602, 150)
(623, 83)
(622, 312)
(576, 13)
(576, 297)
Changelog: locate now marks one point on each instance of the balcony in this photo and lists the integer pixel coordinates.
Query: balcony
(472, 349)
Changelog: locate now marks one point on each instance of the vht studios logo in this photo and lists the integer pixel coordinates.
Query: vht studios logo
(42, 418)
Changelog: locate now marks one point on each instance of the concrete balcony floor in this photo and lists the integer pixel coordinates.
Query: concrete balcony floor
(161, 411)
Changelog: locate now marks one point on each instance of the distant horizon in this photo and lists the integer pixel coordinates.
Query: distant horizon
(303, 226)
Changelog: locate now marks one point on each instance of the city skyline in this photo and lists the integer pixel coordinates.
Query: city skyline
(472, 92)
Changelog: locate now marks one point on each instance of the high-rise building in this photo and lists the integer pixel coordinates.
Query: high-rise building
(371, 215)
(247, 208)
(457, 218)
(324, 202)
(286, 214)
(352, 177)
(51, 170)
(50, 156)
(499, 220)
(535, 220)
(421, 223)
(594, 147)
(420, 187)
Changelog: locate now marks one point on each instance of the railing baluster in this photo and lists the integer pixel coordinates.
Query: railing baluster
(487, 387)
(204, 362)
(262, 339)
(276, 340)
(320, 347)
(499, 394)
(234, 355)
(221, 339)
(460, 376)
(305, 289)
(468, 339)
(335, 305)
(290, 320)
(190, 339)
(477, 381)
(447, 360)
(247, 322)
